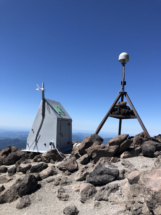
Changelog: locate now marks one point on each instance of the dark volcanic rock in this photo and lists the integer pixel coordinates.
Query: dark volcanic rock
(70, 165)
(24, 202)
(12, 171)
(102, 175)
(2, 188)
(117, 140)
(4, 153)
(20, 188)
(84, 159)
(3, 169)
(139, 139)
(38, 167)
(13, 157)
(148, 148)
(71, 210)
(124, 146)
(52, 155)
(88, 141)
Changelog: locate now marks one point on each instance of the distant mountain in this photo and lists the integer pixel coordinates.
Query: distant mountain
(19, 138)
(12, 142)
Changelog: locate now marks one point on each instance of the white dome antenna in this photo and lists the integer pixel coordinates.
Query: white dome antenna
(124, 57)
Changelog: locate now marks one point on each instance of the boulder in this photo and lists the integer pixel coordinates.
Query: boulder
(20, 188)
(52, 154)
(71, 210)
(37, 158)
(24, 202)
(2, 188)
(124, 146)
(70, 165)
(133, 177)
(117, 140)
(148, 148)
(23, 168)
(4, 179)
(23, 160)
(12, 171)
(98, 151)
(87, 191)
(75, 151)
(13, 157)
(48, 172)
(38, 167)
(84, 159)
(4, 153)
(139, 139)
(102, 175)
(3, 169)
(62, 195)
(88, 141)
(83, 172)
(158, 137)
(104, 192)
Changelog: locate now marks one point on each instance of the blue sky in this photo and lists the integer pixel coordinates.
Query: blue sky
(73, 47)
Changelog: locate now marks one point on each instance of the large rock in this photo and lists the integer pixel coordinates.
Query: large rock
(102, 175)
(117, 140)
(95, 152)
(83, 172)
(23, 167)
(53, 155)
(4, 153)
(24, 202)
(104, 192)
(70, 165)
(84, 159)
(13, 157)
(20, 188)
(139, 139)
(38, 167)
(87, 191)
(88, 141)
(124, 146)
(71, 210)
(148, 148)
(48, 172)
(133, 177)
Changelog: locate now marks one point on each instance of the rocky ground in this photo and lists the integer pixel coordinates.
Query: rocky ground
(122, 177)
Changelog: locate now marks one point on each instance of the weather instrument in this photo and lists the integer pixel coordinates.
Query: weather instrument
(123, 58)
(52, 127)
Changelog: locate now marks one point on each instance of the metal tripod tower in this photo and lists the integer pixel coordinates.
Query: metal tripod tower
(123, 58)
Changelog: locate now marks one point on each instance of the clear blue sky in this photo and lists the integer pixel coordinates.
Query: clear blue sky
(73, 47)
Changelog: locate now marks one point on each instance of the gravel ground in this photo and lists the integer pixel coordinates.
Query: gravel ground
(45, 201)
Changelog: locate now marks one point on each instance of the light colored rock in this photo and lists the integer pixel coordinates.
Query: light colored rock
(133, 177)
(50, 171)
(87, 191)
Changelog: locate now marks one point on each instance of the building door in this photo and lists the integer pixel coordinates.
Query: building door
(65, 133)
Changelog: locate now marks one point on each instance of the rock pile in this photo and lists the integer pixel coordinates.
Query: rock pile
(96, 172)
(122, 109)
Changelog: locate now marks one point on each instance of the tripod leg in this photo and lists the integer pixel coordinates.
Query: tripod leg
(120, 120)
(137, 115)
(106, 116)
